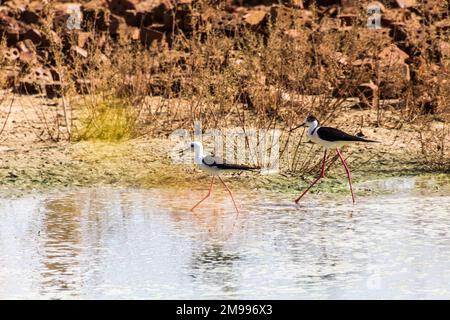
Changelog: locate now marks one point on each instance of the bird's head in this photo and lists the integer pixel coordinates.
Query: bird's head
(192, 146)
(195, 145)
(311, 121)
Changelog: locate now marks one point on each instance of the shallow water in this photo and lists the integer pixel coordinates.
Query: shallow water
(145, 244)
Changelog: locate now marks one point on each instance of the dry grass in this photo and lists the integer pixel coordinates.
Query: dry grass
(228, 77)
(435, 144)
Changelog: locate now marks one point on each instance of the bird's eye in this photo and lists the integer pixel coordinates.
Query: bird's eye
(192, 145)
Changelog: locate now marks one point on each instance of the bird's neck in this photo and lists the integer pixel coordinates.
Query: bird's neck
(198, 153)
(312, 128)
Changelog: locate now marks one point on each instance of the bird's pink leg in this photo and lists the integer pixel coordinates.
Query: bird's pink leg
(348, 173)
(209, 193)
(322, 174)
(231, 194)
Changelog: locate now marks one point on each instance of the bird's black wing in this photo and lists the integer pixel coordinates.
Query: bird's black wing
(223, 165)
(333, 134)
(231, 166)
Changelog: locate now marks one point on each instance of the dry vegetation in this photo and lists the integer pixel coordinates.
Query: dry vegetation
(263, 76)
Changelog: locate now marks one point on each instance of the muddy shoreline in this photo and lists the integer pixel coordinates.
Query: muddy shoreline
(31, 161)
(139, 163)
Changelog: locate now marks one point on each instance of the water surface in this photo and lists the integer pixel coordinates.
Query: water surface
(113, 243)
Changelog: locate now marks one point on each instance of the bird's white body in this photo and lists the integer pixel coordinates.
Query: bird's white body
(214, 171)
(198, 160)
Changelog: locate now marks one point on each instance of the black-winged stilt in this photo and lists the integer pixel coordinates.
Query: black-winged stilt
(215, 166)
(329, 138)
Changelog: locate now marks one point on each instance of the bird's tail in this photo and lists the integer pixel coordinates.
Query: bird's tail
(239, 167)
(362, 138)
(251, 168)
(367, 140)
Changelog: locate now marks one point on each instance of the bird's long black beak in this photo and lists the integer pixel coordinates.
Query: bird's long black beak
(302, 125)
(182, 151)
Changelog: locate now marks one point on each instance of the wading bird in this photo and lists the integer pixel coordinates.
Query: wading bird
(329, 138)
(215, 166)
